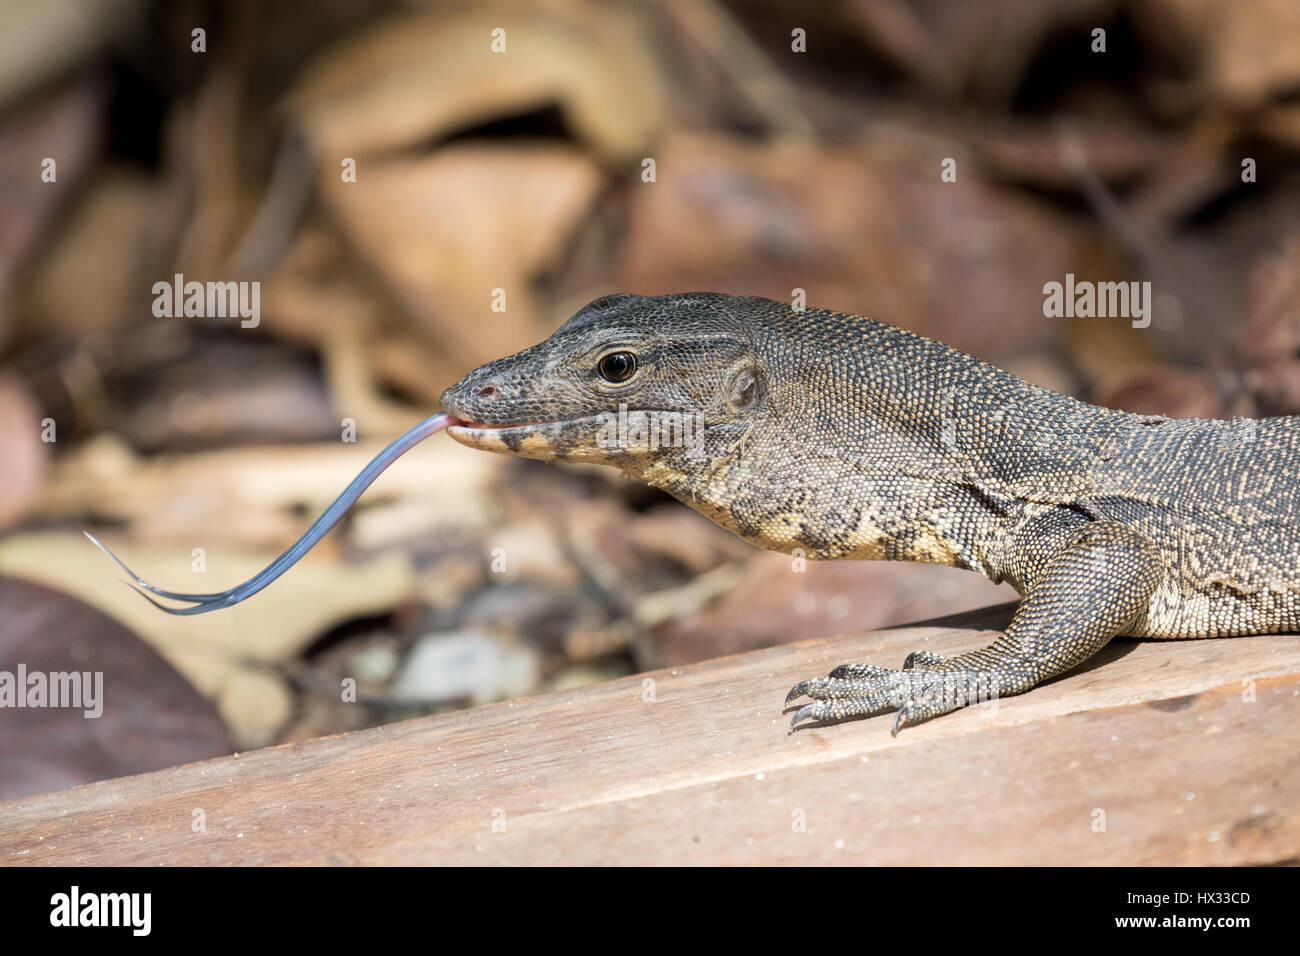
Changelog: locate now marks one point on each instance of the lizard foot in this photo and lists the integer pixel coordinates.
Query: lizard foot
(927, 686)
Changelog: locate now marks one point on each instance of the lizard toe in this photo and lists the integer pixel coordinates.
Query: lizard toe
(845, 708)
(842, 688)
(851, 671)
(921, 659)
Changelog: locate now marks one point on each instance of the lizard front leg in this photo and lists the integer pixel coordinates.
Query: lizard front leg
(1088, 592)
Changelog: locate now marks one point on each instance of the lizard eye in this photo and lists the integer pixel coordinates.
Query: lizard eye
(617, 367)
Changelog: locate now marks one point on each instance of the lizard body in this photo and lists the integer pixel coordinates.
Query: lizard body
(845, 438)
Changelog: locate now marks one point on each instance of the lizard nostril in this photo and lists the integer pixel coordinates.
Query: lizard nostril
(487, 391)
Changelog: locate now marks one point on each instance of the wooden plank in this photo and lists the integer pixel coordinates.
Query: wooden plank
(1184, 748)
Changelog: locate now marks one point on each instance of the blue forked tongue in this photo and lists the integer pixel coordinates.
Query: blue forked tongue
(202, 603)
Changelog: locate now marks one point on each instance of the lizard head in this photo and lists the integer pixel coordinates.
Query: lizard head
(659, 387)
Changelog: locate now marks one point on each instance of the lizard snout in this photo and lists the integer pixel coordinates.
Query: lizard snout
(485, 397)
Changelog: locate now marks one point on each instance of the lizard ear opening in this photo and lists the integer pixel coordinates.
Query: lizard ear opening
(744, 390)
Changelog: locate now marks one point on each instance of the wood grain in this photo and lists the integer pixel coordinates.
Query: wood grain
(1185, 749)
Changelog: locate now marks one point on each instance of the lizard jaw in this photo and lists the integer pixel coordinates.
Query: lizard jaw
(540, 440)
(588, 438)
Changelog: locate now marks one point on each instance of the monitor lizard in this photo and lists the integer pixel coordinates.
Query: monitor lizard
(835, 436)
(840, 437)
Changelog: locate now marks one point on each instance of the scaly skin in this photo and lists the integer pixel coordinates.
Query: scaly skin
(846, 438)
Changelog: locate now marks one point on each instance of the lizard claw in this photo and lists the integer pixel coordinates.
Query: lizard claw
(902, 718)
(798, 690)
(808, 710)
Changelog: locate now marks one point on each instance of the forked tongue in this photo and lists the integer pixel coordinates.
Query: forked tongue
(202, 603)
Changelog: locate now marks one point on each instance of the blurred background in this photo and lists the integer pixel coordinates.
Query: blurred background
(420, 187)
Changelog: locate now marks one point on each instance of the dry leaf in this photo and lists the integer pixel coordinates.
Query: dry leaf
(151, 718)
(417, 77)
(257, 497)
(450, 229)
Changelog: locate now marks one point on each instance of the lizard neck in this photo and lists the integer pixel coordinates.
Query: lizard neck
(877, 443)
(826, 507)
